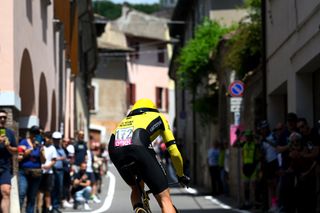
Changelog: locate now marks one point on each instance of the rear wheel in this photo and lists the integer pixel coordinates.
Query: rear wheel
(140, 210)
(146, 205)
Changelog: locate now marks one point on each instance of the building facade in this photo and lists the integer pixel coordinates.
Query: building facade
(133, 64)
(195, 137)
(41, 54)
(293, 60)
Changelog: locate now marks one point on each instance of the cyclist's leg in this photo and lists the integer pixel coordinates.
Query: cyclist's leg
(136, 197)
(136, 200)
(165, 202)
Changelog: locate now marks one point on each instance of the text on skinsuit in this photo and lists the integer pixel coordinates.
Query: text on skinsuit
(155, 126)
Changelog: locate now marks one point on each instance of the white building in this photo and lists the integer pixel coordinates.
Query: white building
(293, 59)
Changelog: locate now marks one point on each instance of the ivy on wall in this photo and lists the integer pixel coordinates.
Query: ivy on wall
(195, 65)
(243, 55)
(194, 58)
(245, 46)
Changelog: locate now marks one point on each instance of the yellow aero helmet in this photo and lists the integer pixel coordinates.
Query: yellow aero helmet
(144, 103)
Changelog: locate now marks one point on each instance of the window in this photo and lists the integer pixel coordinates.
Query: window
(162, 98)
(94, 97)
(136, 47)
(131, 94)
(161, 51)
(91, 98)
(159, 97)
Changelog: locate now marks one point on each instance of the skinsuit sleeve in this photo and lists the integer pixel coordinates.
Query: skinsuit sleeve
(172, 148)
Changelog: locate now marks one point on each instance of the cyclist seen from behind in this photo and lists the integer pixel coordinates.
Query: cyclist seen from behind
(131, 142)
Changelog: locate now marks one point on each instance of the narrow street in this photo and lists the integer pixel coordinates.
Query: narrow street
(115, 198)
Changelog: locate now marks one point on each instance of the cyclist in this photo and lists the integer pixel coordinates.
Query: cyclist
(131, 142)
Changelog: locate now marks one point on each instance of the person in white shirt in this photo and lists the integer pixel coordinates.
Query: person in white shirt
(91, 176)
(69, 150)
(47, 181)
(271, 165)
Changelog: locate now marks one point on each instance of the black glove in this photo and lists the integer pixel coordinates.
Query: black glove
(184, 181)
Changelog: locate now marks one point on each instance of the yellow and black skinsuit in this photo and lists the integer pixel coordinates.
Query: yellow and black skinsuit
(131, 142)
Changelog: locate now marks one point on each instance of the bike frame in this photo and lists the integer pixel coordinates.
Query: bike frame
(131, 167)
(144, 195)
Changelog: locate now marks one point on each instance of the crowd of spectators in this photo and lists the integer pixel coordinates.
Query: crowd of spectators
(281, 166)
(54, 172)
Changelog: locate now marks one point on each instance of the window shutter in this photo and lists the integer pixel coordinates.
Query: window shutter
(92, 98)
(159, 97)
(167, 99)
(131, 94)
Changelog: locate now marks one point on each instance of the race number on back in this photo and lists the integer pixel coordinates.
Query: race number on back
(123, 137)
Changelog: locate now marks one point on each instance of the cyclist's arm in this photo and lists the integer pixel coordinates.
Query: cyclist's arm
(172, 148)
(176, 158)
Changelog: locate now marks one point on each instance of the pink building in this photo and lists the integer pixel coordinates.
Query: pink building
(148, 64)
(133, 64)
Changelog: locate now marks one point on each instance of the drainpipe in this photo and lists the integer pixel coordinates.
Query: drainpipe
(194, 117)
(72, 104)
(67, 109)
(264, 57)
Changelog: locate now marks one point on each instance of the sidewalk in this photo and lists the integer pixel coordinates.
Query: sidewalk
(221, 200)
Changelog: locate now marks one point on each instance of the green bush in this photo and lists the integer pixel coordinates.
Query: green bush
(245, 46)
(195, 57)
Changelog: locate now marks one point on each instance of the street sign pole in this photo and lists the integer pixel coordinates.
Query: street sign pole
(236, 90)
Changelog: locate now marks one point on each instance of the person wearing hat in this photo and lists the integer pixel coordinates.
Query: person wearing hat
(130, 143)
(58, 172)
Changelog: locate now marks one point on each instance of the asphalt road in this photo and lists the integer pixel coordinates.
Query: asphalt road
(115, 199)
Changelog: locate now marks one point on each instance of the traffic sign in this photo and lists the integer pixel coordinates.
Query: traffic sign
(236, 88)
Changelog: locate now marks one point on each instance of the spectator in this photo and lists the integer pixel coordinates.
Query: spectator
(31, 157)
(307, 172)
(213, 158)
(58, 172)
(98, 163)
(82, 187)
(80, 151)
(105, 156)
(69, 150)
(250, 159)
(97, 166)
(224, 164)
(8, 147)
(270, 163)
(47, 181)
(286, 180)
(90, 161)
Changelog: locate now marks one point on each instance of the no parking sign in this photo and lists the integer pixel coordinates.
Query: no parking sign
(236, 88)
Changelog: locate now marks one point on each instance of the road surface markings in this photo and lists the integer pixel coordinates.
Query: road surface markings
(217, 202)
